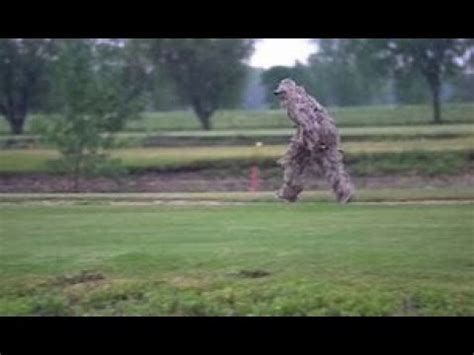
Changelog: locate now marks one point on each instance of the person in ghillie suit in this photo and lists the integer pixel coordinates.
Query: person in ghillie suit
(316, 143)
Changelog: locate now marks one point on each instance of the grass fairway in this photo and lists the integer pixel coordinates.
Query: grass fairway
(240, 258)
(250, 137)
(345, 117)
(268, 119)
(35, 160)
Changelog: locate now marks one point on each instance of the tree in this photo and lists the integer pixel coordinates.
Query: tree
(463, 85)
(159, 87)
(253, 95)
(24, 65)
(435, 59)
(409, 88)
(208, 73)
(340, 73)
(343, 74)
(163, 92)
(96, 88)
(270, 79)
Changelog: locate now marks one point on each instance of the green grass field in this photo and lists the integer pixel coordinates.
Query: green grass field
(35, 160)
(454, 193)
(394, 251)
(250, 137)
(236, 258)
(346, 132)
(249, 120)
(345, 117)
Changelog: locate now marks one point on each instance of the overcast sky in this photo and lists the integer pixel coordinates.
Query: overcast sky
(285, 51)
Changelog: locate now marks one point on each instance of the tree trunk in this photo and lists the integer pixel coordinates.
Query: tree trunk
(205, 121)
(204, 116)
(436, 104)
(16, 122)
(433, 77)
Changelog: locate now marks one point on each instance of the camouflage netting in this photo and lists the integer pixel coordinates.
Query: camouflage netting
(316, 144)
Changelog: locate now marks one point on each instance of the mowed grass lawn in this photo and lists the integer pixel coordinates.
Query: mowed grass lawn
(260, 258)
(346, 132)
(268, 119)
(344, 116)
(425, 130)
(35, 160)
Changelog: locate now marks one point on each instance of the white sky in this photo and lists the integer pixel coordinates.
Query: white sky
(281, 51)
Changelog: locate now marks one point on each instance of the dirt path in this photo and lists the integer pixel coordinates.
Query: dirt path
(208, 181)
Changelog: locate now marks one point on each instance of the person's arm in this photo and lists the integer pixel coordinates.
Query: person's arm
(296, 143)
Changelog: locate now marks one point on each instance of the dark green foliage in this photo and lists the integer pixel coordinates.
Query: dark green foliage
(410, 88)
(270, 79)
(343, 74)
(97, 87)
(208, 73)
(253, 94)
(348, 72)
(338, 74)
(24, 80)
(463, 87)
(435, 60)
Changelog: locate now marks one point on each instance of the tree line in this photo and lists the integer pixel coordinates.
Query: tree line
(89, 88)
(204, 74)
(124, 77)
(347, 72)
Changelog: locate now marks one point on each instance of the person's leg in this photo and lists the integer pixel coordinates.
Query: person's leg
(294, 163)
(331, 164)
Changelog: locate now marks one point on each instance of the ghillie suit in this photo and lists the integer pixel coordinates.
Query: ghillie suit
(316, 143)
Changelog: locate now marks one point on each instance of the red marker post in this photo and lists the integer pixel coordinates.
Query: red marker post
(254, 181)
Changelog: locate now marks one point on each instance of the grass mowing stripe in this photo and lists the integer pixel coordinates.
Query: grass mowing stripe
(258, 259)
(24, 160)
(385, 194)
(241, 119)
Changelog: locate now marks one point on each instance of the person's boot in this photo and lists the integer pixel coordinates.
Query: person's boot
(289, 193)
(345, 196)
